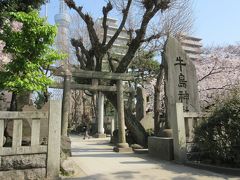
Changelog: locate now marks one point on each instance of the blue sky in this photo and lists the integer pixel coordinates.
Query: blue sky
(217, 22)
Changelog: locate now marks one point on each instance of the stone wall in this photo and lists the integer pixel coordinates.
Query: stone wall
(23, 167)
(31, 174)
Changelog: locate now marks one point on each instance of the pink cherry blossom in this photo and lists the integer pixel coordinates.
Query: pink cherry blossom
(4, 58)
(218, 72)
(16, 26)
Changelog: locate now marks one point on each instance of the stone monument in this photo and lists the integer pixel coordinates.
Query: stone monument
(141, 103)
(181, 87)
(181, 94)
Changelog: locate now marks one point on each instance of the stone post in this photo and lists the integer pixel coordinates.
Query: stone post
(112, 126)
(122, 146)
(66, 102)
(190, 129)
(179, 134)
(141, 103)
(54, 140)
(101, 115)
(95, 103)
(115, 119)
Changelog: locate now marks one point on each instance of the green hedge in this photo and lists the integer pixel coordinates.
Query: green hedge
(219, 135)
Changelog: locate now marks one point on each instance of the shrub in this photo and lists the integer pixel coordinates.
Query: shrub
(219, 135)
(150, 132)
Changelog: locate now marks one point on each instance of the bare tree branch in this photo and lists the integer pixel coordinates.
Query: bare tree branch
(209, 73)
(88, 54)
(151, 10)
(218, 88)
(154, 36)
(110, 60)
(114, 37)
(80, 58)
(88, 20)
(105, 10)
(78, 43)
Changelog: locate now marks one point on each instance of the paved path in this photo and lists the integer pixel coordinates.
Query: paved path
(98, 162)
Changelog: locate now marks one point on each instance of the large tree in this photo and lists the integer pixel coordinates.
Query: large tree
(7, 6)
(16, 6)
(91, 56)
(28, 40)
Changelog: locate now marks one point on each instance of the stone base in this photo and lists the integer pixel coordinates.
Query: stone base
(100, 136)
(65, 147)
(161, 147)
(122, 147)
(39, 173)
(121, 150)
(22, 162)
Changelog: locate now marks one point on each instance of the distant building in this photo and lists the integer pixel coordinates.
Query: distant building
(120, 43)
(192, 46)
(119, 47)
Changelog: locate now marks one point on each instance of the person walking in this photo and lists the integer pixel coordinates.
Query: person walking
(86, 127)
(85, 131)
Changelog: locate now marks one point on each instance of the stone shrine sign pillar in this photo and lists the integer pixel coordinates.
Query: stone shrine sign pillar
(181, 87)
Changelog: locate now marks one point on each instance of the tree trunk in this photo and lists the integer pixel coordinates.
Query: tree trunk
(157, 101)
(157, 108)
(13, 105)
(18, 101)
(137, 130)
(22, 100)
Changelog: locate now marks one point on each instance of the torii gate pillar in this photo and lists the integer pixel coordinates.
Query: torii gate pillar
(101, 115)
(122, 145)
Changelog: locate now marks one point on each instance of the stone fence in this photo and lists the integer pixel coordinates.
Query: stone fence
(184, 133)
(192, 120)
(177, 147)
(35, 161)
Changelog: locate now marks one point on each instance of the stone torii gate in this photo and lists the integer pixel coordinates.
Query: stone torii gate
(95, 76)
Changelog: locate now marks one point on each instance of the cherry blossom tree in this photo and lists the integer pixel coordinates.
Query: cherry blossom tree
(218, 72)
